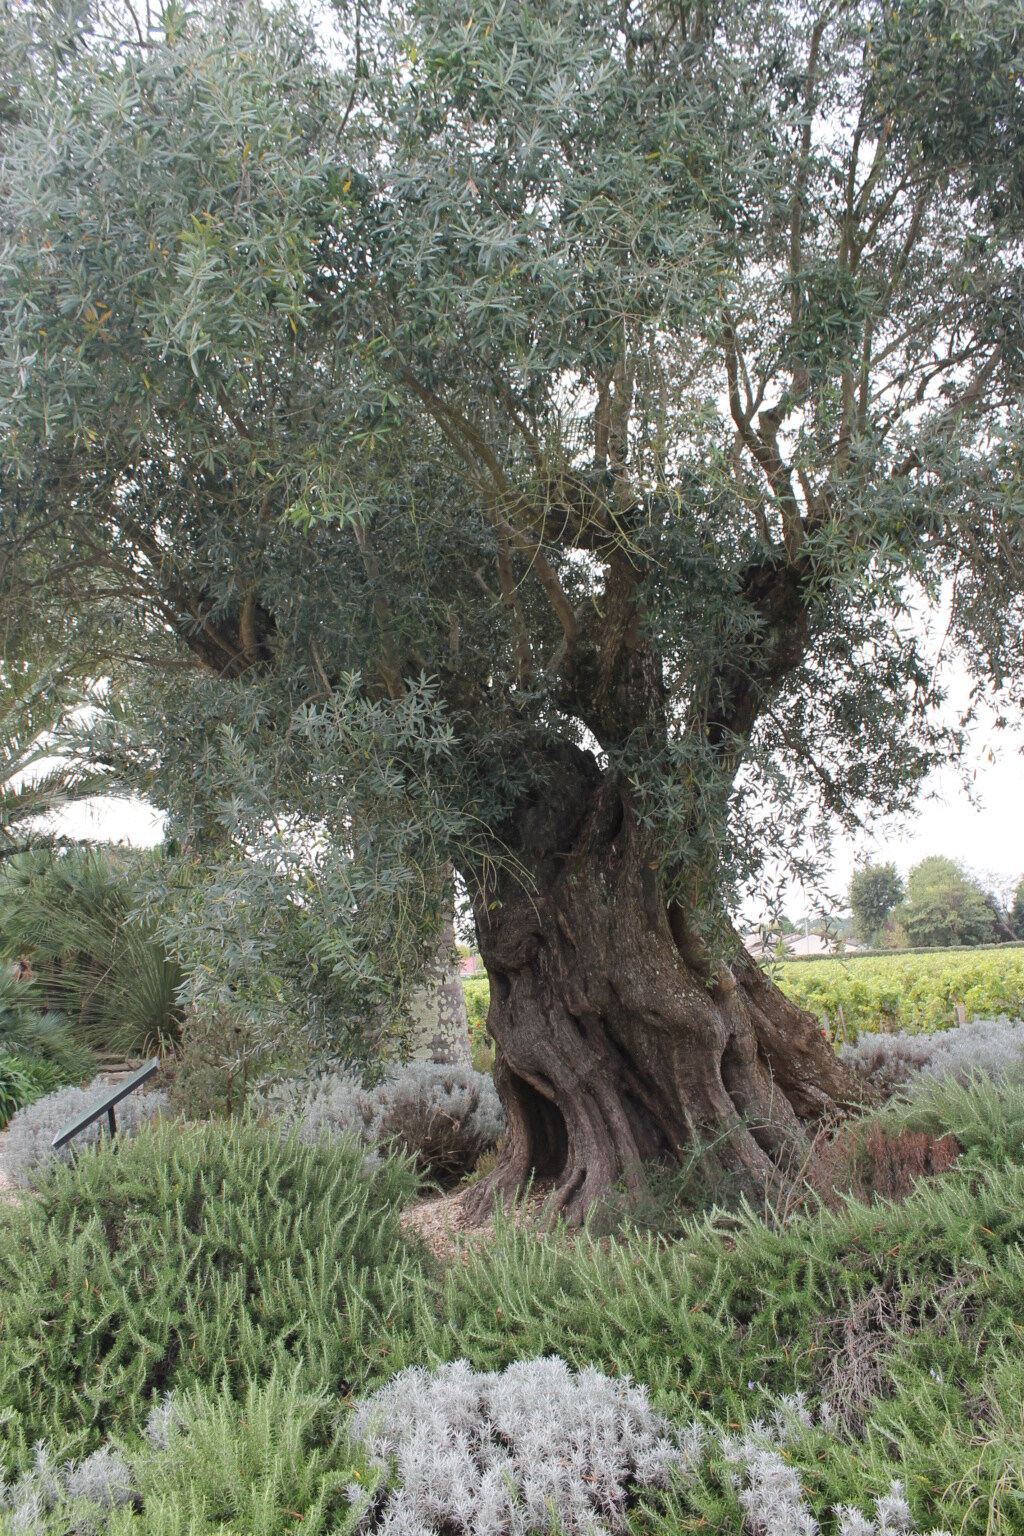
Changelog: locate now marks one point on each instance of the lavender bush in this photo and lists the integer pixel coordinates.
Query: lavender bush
(993, 1047)
(444, 1115)
(86, 1491)
(27, 1142)
(494, 1454)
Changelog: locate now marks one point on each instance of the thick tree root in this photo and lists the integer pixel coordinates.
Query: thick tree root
(616, 1044)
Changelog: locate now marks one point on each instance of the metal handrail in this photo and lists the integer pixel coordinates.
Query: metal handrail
(106, 1106)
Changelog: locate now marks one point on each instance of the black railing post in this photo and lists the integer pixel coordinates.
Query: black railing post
(106, 1106)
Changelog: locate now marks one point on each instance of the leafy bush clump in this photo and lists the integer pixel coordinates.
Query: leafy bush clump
(992, 1047)
(28, 1142)
(195, 1254)
(442, 1115)
(207, 1463)
(15, 1088)
(533, 1447)
(42, 1041)
(93, 958)
(23, 1079)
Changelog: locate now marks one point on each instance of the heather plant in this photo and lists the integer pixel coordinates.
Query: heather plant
(985, 1115)
(195, 1254)
(442, 1115)
(27, 1144)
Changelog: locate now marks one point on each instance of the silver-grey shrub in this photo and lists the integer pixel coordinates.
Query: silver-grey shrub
(889, 1062)
(443, 1115)
(498, 1454)
(27, 1142)
(85, 1490)
(533, 1448)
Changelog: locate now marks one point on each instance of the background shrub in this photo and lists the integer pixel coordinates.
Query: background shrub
(196, 1254)
(44, 1045)
(992, 1047)
(442, 1115)
(15, 1088)
(94, 960)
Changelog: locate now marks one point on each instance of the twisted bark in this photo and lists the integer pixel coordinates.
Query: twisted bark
(616, 1045)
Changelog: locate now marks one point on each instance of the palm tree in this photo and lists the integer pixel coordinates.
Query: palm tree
(35, 698)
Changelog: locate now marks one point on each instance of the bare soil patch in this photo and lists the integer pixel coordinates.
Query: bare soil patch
(447, 1222)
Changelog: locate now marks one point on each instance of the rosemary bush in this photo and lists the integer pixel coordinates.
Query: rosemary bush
(196, 1254)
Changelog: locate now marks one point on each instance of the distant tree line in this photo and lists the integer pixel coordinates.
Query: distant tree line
(940, 906)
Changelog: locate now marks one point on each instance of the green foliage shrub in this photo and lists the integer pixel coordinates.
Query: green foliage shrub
(1015, 916)
(42, 1041)
(907, 992)
(264, 1463)
(944, 906)
(94, 960)
(874, 890)
(254, 1465)
(477, 990)
(195, 1254)
(15, 1088)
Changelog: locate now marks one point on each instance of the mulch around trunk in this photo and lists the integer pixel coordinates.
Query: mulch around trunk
(444, 1224)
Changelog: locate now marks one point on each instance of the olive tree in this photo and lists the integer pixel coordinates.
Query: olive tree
(596, 395)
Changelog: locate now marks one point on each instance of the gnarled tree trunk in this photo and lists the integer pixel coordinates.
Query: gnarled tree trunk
(615, 1042)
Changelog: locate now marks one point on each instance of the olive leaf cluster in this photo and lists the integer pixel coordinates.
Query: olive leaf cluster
(635, 376)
